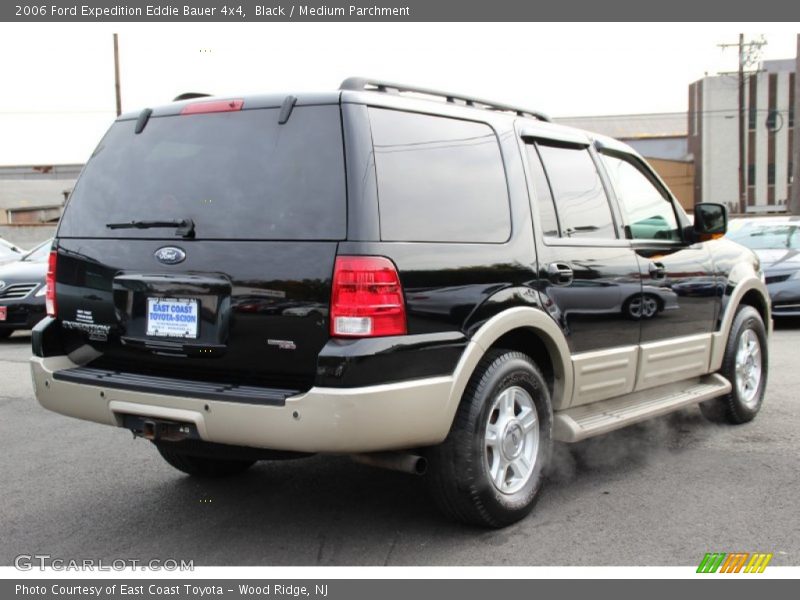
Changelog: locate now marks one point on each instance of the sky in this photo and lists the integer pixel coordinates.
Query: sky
(57, 85)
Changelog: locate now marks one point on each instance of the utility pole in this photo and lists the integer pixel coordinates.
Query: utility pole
(747, 55)
(794, 200)
(116, 75)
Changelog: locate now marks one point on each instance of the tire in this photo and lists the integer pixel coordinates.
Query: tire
(745, 365)
(506, 390)
(198, 466)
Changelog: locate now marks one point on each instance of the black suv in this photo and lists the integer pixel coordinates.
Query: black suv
(426, 281)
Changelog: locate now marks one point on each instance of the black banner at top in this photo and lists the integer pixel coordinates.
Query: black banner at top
(395, 10)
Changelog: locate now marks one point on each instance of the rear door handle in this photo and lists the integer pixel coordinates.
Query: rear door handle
(560, 273)
(657, 270)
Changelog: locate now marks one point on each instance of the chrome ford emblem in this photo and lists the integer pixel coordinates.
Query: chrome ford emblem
(170, 255)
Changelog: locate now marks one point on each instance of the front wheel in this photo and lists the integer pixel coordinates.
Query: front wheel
(489, 470)
(745, 366)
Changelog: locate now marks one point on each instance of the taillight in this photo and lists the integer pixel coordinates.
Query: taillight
(50, 284)
(367, 298)
(212, 106)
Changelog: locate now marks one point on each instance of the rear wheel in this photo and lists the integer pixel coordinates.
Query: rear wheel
(745, 366)
(489, 470)
(200, 466)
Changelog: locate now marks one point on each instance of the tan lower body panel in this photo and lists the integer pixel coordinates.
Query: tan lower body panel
(367, 419)
(604, 374)
(673, 360)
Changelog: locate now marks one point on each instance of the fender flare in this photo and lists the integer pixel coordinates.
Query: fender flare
(539, 323)
(720, 337)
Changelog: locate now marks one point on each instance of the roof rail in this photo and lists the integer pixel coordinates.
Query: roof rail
(376, 85)
(189, 96)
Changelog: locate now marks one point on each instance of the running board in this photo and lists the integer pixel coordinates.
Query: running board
(581, 422)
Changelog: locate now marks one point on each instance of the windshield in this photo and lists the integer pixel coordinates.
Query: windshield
(778, 236)
(235, 175)
(39, 253)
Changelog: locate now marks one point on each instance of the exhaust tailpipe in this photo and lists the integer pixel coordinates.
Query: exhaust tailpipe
(394, 461)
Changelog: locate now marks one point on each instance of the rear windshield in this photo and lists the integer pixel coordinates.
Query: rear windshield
(237, 175)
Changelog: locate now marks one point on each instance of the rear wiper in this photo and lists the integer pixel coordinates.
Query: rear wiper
(183, 227)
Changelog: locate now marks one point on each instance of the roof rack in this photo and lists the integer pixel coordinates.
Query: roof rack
(375, 85)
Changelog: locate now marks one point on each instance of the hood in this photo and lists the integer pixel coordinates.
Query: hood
(5, 260)
(779, 259)
(23, 271)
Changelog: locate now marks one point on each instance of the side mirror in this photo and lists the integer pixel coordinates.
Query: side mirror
(710, 219)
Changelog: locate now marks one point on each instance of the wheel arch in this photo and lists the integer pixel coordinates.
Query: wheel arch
(750, 291)
(527, 330)
(753, 297)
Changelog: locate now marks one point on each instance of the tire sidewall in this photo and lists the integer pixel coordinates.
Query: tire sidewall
(747, 319)
(503, 374)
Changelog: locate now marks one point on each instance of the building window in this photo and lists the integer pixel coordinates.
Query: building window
(771, 174)
(752, 101)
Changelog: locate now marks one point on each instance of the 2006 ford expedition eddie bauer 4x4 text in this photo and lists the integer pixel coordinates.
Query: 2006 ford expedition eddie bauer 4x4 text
(427, 281)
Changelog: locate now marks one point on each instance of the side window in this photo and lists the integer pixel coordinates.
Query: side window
(580, 200)
(544, 197)
(648, 211)
(439, 179)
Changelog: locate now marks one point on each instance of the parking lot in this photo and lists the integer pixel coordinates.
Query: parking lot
(662, 493)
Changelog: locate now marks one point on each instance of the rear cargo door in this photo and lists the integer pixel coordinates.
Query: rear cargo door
(203, 246)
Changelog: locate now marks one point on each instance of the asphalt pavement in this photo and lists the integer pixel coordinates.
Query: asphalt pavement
(661, 493)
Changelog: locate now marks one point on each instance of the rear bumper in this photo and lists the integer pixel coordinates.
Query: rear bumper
(336, 420)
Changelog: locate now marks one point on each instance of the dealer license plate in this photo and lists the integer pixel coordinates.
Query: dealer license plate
(3, 313)
(172, 317)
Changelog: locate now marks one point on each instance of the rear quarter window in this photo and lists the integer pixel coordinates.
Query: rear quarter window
(237, 175)
(439, 179)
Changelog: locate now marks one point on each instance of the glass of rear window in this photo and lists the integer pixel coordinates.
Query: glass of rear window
(237, 175)
(439, 179)
(580, 198)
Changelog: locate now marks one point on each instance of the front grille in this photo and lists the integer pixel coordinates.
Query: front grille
(777, 278)
(777, 306)
(17, 291)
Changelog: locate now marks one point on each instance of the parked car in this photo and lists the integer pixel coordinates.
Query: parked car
(776, 241)
(22, 290)
(9, 252)
(263, 277)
